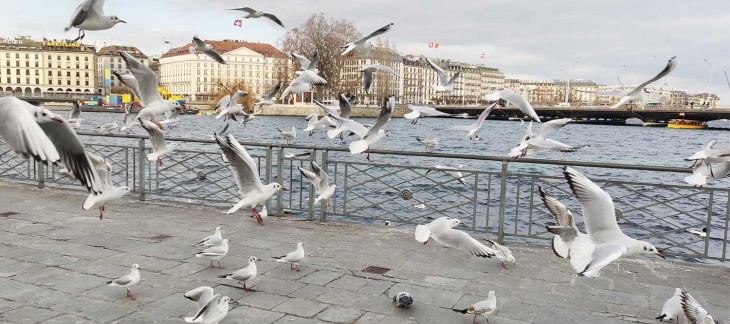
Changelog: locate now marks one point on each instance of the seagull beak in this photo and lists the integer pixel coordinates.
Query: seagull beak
(56, 119)
(659, 253)
(122, 21)
(283, 189)
(131, 190)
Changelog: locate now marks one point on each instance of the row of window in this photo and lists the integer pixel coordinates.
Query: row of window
(50, 57)
(38, 81)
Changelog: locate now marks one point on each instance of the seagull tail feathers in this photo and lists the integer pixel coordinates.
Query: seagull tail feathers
(697, 179)
(191, 320)
(661, 317)
(560, 247)
(152, 156)
(463, 311)
(581, 250)
(358, 146)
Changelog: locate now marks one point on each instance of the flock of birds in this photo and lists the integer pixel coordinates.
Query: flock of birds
(39, 133)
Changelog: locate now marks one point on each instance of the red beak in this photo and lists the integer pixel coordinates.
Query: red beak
(57, 119)
(283, 189)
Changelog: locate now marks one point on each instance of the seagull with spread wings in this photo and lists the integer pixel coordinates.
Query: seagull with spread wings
(318, 178)
(109, 191)
(160, 148)
(638, 93)
(564, 229)
(253, 13)
(418, 111)
(538, 143)
(89, 15)
(442, 231)
(473, 128)
(445, 84)
(362, 44)
(367, 75)
(149, 96)
(345, 111)
(207, 49)
(269, 99)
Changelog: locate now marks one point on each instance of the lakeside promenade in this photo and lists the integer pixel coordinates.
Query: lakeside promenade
(55, 260)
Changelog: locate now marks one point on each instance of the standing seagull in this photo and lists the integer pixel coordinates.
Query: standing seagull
(442, 231)
(148, 93)
(519, 101)
(605, 242)
(368, 136)
(246, 173)
(293, 258)
(318, 178)
(473, 128)
(538, 143)
(34, 131)
(694, 312)
(672, 307)
(127, 281)
(503, 252)
(215, 253)
(269, 99)
(429, 144)
(109, 191)
(417, 111)
(445, 84)
(213, 312)
(253, 13)
(74, 117)
(367, 75)
(109, 128)
(565, 230)
(362, 43)
(484, 307)
(206, 49)
(90, 16)
(638, 93)
(214, 239)
(289, 136)
(245, 274)
(159, 147)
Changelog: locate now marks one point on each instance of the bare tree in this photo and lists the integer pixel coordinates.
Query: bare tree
(325, 36)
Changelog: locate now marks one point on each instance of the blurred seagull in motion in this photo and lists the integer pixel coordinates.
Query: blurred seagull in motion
(442, 231)
(207, 49)
(89, 15)
(565, 230)
(473, 128)
(362, 44)
(253, 13)
(289, 136)
(503, 252)
(429, 144)
(269, 99)
(367, 75)
(149, 94)
(638, 93)
(160, 148)
(531, 144)
(417, 111)
(318, 178)
(445, 84)
(516, 99)
(452, 171)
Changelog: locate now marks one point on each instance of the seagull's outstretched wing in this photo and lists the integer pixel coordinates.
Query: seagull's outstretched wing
(201, 295)
(156, 136)
(21, 132)
(552, 126)
(274, 91)
(243, 166)
(671, 64)
(443, 79)
(82, 11)
(130, 82)
(519, 101)
(380, 31)
(598, 209)
(146, 79)
(274, 19)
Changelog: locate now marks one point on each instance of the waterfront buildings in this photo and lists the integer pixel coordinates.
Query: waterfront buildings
(108, 58)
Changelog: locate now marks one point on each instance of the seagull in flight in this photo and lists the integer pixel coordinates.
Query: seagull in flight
(445, 84)
(74, 118)
(362, 43)
(605, 241)
(345, 112)
(417, 111)
(148, 84)
(367, 75)
(207, 49)
(516, 99)
(368, 136)
(253, 13)
(638, 93)
(318, 178)
(269, 99)
(442, 231)
(89, 15)
(565, 230)
(532, 143)
(473, 128)
(452, 171)
(160, 148)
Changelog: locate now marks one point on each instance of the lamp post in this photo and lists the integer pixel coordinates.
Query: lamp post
(708, 62)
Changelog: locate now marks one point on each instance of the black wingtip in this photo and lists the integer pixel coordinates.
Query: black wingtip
(661, 317)
(463, 311)
(223, 276)
(109, 282)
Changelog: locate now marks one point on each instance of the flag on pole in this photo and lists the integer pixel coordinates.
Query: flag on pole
(436, 45)
(430, 45)
(482, 55)
(238, 23)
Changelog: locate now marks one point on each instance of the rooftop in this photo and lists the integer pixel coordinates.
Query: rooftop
(113, 50)
(267, 50)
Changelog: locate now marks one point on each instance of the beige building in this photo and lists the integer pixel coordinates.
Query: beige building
(28, 66)
(194, 75)
(384, 84)
(108, 58)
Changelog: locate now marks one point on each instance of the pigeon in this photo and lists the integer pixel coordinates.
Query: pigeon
(210, 240)
(127, 281)
(484, 307)
(207, 49)
(215, 253)
(402, 299)
(362, 43)
(89, 15)
(245, 274)
(252, 13)
(293, 258)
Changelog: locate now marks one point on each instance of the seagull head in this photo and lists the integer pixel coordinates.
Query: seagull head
(43, 115)
(226, 300)
(135, 267)
(277, 187)
(116, 20)
(125, 188)
(225, 242)
(649, 248)
(252, 259)
(218, 229)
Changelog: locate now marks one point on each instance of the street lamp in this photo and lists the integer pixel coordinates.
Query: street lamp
(708, 62)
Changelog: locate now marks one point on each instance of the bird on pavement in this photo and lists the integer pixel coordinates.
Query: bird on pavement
(245, 274)
(127, 281)
(293, 258)
(215, 253)
(484, 307)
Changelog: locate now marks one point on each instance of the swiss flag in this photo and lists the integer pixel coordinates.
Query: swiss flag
(482, 55)
(430, 45)
(238, 23)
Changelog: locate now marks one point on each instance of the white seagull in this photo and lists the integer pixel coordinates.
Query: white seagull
(702, 233)
(310, 73)
(442, 231)
(34, 131)
(638, 93)
(109, 128)
(315, 123)
(304, 62)
(207, 49)
(367, 75)
(173, 117)
(445, 84)
(269, 99)
(263, 213)
(345, 112)
(503, 252)
(452, 171)
(248, 117)
(128, 80)
(129, 122)
(253, 13)
(160, 148)
(289, 136)
(148, 93)
(429, 144)
(531, 144)
(109, 191)
(127, 281)
(368, 136)
(214, 253)
(672, 308)
(74, 116)
(708, 155)
(202, 295)
(214, 239)
(483, 308)
(694, 312)
(473, 128)
(318, 178)
(519, 101)
(246, 173)
(605, 241)
(245, 274)
(362, 43)
(704, 174)
(302, 83)
(213, 312)
(231, 107)
(417, 111)
(565, 230)
(293, 258)
(89, 15)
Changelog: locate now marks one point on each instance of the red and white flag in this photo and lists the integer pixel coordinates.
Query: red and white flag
(482, 55)
(238, 23)
(430, 45)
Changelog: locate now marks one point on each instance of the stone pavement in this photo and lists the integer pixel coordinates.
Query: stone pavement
(55, 258)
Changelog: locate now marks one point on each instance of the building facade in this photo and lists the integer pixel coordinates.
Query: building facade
(108, 58)
(193, 76)
(384, 84)
(28, 66)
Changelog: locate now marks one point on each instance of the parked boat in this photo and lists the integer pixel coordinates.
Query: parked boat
(686, 124)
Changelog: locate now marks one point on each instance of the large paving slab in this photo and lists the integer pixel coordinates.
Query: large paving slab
(55, 258)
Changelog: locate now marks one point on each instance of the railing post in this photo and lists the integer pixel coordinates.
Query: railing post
(41, 175)
(708, 225)
(323, 209)
(141, 165)
(268, 173)
(310, 207)
(502, 200)
(280, 177)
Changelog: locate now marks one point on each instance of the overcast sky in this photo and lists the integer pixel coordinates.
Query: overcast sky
(598, 40)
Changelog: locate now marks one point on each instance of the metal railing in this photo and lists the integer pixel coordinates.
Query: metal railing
(499, 198)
